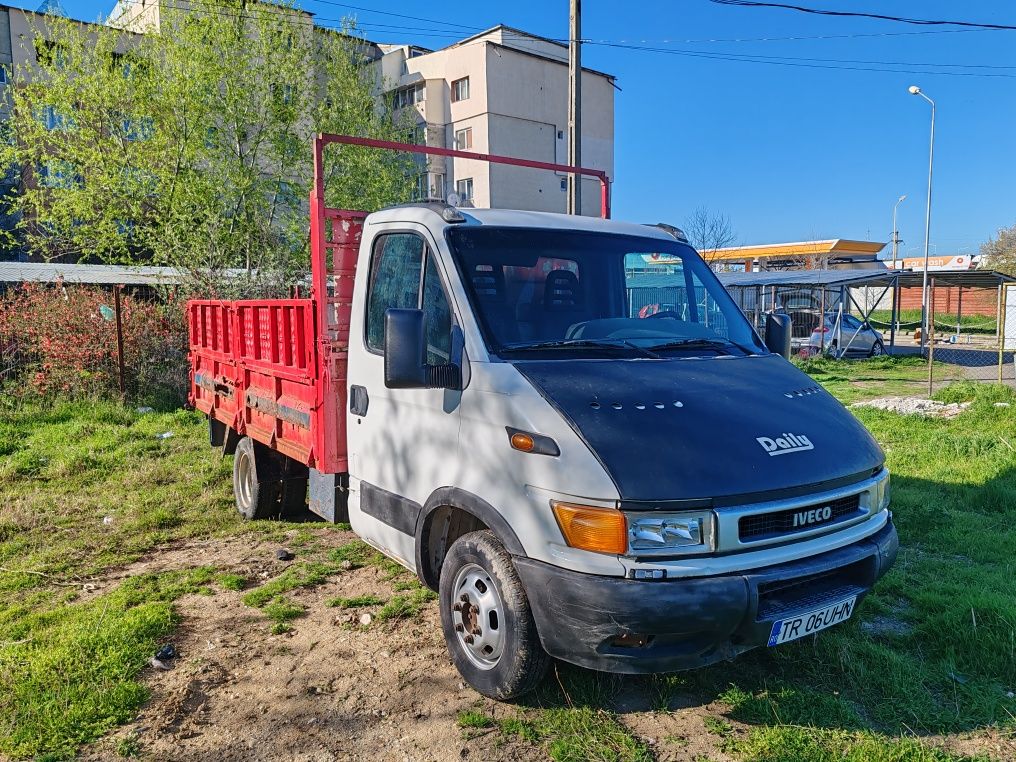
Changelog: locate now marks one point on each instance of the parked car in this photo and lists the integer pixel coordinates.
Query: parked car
(470, 391)
(851, 338)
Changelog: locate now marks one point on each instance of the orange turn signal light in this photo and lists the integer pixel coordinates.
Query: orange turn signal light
(601, 530)
(522, 442)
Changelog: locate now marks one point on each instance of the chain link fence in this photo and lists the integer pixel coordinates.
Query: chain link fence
(971, 334)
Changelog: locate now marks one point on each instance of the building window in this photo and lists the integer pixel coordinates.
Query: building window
(430, 187)
(52, 119)
(464, 138)
(407, 96)
(3, 75)
(464, 188)
(460, 89)
(58, 173)
(564, 183)
(50, 54)
(137, 129)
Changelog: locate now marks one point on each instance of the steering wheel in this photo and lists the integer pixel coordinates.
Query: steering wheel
(663, 314)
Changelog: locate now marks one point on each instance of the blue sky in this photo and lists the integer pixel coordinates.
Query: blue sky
(788, 152)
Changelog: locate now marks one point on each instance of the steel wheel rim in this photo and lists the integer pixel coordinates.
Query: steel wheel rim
(245, 472)
(478, 616)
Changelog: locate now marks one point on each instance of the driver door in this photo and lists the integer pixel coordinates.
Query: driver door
(403, 443)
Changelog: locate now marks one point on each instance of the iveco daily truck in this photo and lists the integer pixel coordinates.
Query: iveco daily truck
(562, 424)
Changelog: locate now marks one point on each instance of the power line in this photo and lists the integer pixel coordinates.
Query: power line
(858, 14)
(746, 58)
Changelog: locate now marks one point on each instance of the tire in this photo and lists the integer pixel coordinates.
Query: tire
(257, 497)
(877, 349)
(505, 659)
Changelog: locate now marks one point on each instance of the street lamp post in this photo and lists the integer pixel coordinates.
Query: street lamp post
(915, 90)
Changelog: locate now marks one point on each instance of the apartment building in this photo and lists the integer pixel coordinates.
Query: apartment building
(502, 91)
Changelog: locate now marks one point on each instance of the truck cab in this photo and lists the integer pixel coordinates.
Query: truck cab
(565, 427)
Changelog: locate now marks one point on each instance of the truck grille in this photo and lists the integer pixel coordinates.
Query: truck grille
(764, 526)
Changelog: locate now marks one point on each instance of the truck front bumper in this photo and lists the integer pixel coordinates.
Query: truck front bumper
(638, 627)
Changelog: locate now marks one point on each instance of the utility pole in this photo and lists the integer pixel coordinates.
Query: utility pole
(574, 104)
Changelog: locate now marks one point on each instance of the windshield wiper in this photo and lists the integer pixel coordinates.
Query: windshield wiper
(695, 344)
(580, 343)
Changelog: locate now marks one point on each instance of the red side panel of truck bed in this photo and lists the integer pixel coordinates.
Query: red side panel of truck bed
(275, 369)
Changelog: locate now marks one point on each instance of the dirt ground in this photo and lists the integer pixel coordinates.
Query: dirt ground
(333, 690)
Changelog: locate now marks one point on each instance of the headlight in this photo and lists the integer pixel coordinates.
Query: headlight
(880, 495)
(883, 493)
(662, 532)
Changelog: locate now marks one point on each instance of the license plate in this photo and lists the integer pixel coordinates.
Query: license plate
(807, 624)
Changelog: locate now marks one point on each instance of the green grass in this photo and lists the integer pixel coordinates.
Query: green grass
(87, 486)
(406, 606)
(281, 612)
(356, 602)
(68, 674)
(234, 582)
(473, 718)
(856, 380)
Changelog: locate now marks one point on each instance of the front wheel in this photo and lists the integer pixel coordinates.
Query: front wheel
(877, 349)
(487, 622)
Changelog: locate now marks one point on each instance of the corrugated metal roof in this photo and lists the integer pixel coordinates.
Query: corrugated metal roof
(111, 275)
(806, 278)
(837, 278)
(965, 278)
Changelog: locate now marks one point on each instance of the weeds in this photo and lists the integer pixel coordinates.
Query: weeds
(473, 718)
(406, 606)
(281, 613)
(359, 601)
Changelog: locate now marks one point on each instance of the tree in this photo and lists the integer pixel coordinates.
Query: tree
(191, 147)
(999, 252)
(708, 231)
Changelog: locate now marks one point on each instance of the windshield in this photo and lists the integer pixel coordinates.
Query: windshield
(576, 292)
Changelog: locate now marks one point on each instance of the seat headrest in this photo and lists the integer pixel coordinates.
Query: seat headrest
(562, 292)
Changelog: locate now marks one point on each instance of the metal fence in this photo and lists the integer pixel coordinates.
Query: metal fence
(969, 337)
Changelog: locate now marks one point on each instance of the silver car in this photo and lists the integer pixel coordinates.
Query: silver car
(851, 338)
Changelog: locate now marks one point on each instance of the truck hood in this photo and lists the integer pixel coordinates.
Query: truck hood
(708, 431)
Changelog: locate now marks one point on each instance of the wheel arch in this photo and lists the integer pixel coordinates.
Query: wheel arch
(449, 513)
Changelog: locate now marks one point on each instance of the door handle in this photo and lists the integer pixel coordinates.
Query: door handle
(358, 400)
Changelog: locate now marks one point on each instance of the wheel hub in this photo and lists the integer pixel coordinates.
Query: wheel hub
(245, 481)
(478, 616)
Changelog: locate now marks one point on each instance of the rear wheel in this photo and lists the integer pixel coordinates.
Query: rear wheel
(487, 622)
(257, 497)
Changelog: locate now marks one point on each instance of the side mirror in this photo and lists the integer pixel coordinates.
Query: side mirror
(778, 334)
(406, 352)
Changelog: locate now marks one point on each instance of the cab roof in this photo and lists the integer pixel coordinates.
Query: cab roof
(429, 214)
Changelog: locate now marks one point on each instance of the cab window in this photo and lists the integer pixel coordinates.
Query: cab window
(403, 275)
